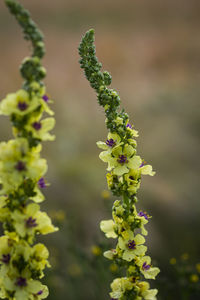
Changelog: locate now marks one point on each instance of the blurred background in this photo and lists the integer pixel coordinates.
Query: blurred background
(152, 50)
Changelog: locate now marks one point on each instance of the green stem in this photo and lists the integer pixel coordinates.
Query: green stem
(31, 69)
(126, 201)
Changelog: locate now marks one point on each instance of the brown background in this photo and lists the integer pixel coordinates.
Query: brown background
(152, 49)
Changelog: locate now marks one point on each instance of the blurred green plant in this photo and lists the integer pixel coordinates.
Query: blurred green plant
(181, 279)
(22, 171)
(125, 168)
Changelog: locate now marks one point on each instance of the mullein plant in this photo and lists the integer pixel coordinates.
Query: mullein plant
(22, 170)
(125, 168)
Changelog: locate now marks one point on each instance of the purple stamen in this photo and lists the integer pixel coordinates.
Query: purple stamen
(142, 164)
(21, 282)
(20, 166)
(142, 214)
(22, 105)
(110, 143)
(5, 258)
(145, 267)
(45, 98)
(131, 245)
(40, 292)
(41, 183)
(30, 222)
(37, 125)
(129, 126)
(122, 159)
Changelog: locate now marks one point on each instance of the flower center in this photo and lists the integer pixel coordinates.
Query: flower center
(142, 214)
(110, 143)
(20, 166)
(45, 98)
(145, 267)
(131, 245)
(37, 125)
(40, 292)
(41, 183)
(122, 159)
(5, 258)
(30, 222)
(21, 281)
(22, 105)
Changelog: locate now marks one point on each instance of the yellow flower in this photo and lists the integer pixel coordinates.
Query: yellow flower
(185, 256)
(5, 251)
(105, 194)
(119, 286)
(198, 267)
(131, 245)
(145, 292)
(23, 288)
(133, 132)
(32, 220)
(121, 159)
(113, 268)
(110, 182)
(133, 181)
(144, 263)
(143, 218)
(194, 278)
(112, 141)
(17, 162)
(172, 261)
(110, 254)
(39, 255)
(133, 177)
(40, 129)
(96, 250)
(108, 227)
(18, 103)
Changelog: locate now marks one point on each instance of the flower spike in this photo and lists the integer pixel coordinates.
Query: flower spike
(125, 169)
(22, 171)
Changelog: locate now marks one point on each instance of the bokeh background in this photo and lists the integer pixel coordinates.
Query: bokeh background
(152, 49)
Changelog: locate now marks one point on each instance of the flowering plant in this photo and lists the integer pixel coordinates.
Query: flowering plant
(22, 170)
(125, 169)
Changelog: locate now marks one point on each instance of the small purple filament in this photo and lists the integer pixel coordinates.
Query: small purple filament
(20, 166)
(122, 159)
(37, 125)
(129, 126)
(22, 105)
(30, 222)
(110, 143)
(21, 281)
(40, 292)
(145, 267)
(142, 164)
(131, 245)
(41, 183)
(45, 98)
(142, 214)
